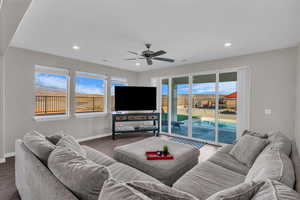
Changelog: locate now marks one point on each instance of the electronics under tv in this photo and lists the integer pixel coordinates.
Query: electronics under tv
(132, 98)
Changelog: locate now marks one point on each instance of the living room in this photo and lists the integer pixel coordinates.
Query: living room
(216, 69)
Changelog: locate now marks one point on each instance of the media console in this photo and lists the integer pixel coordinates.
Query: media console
(135, 117)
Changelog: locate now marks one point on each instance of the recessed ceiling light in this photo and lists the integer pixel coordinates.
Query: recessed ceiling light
(137, 64)
(228, 44)
(75, 47)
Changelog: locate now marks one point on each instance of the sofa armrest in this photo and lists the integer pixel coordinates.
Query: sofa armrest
(34, 180)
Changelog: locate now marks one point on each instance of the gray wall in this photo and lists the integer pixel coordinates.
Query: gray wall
(297, 121)
(273, 83)
(19, 95)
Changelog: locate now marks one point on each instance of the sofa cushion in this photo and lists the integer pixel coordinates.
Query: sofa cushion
(224, 159)
(156, 191)
(248, 148)
(207, 178)
(38, 145)
(243, 191)
(71, 143)
(125, 173)
(255, 133)
(278, 141)
(274, 165)
(98, 157)
(113, 190)
(295, 157)
(274, 190)
(82, 176)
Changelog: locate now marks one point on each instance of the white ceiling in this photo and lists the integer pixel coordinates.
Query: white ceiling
(195, 30)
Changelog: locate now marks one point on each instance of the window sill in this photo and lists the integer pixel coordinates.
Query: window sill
(90, 115)
(50, 118)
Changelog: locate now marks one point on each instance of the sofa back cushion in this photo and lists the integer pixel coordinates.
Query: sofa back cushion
(113, 190)
(71, 143)
(274, 190)
(278, 141)
(156, 191)
(243, 191)
(248, 148)
(274, 165)
(82, 176)
(38, 145)
(255, 133)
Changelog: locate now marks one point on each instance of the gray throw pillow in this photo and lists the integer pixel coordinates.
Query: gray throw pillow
(38, 145)
(82, 176)
(248, 148)
(112, 190)
(157, 191)
(243, 191)
(274, 165)
(274, 190)
(54, 139)
(255, 133)
(70, 142)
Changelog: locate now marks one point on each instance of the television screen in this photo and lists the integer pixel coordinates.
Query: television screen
(130, 98)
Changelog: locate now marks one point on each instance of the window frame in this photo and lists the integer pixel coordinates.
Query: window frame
(92, 76)
(121, 80)
(57, 71)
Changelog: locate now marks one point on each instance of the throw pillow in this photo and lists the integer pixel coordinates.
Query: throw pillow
(54, 139)
(157, 191)
(277, 191)
(82, 176)
(248, 148)
(274, 165)
(39, 145)
(112, 190)
(70, 142)
(243, 191)
(255, 133)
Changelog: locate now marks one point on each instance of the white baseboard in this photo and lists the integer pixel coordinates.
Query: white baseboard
(8, 155)
(94, 137)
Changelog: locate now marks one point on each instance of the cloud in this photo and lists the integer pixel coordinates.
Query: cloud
(89, 89)
(51, 80)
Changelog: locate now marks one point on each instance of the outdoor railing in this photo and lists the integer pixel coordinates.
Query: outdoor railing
(55, 105)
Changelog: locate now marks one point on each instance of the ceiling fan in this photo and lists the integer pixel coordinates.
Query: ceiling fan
(150, 55)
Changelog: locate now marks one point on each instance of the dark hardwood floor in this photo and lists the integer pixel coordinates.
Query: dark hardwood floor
(8, 190)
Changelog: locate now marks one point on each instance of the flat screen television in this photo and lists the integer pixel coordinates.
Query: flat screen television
(131, 98)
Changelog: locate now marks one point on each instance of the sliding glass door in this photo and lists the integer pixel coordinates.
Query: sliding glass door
(179, 105)
(200, 106)
(227, 112)
(204, 107)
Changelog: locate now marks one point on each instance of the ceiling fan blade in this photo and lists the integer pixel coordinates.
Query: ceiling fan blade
(134, 58)
(149, 61)
(158, 53)
(164, 59)
(132, 52)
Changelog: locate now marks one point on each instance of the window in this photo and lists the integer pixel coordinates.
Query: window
(51, 91)
(90, 92)
(115, 82)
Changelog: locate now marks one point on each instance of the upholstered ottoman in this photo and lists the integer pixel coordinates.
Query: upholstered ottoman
(167, 171)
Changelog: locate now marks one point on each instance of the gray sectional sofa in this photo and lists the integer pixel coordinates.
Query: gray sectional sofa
(35, 181)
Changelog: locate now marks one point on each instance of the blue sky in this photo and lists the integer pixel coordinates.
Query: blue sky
(83, 85)
(204, 88)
